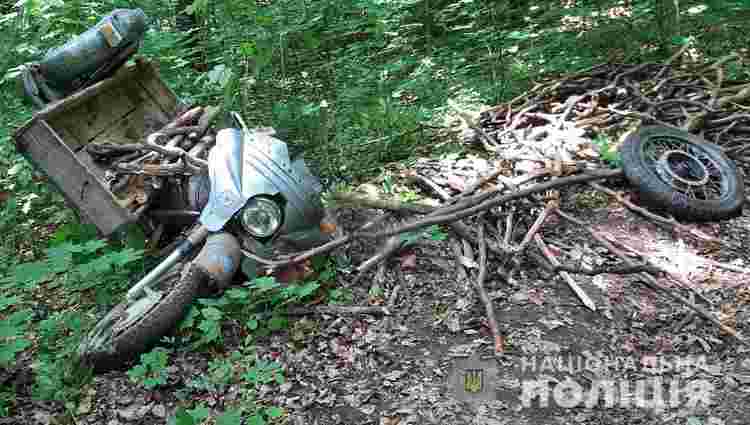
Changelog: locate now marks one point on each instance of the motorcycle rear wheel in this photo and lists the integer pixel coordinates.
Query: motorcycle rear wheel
(683, 174)
(131, 328)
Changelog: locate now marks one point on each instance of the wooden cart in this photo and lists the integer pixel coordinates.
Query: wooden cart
(121, 109)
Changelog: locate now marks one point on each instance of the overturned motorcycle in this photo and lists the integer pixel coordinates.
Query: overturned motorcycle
(259, 198)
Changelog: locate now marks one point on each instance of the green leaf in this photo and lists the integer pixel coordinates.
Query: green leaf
(436, 234)
(237, 293)
(199, 413)
(274, 412)
(256, 420)
(6, 302)
(189, 320)
(311, 108)
(263, 20)
(264, 283)
(248, 48)
(212, 313)
(252, 324)
(307, 289)
(125, 256)
(211, 331)
(277, 322)
(230, 417)
(135, 238)
(9, 350)
(182, 417)
(409, 238)
(28, 274)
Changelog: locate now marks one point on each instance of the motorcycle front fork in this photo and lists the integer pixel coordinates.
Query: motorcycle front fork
(195, 238)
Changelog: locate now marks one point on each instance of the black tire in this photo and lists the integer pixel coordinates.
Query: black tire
(656, 192)
(138, 337)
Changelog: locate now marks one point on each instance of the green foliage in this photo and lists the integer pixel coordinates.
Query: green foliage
(151, 372)
(193, 416)
(58, 375)
(12, 332)
(240, 368)
(77, 266)
(432, 232)
(608, 151)
(259, 305)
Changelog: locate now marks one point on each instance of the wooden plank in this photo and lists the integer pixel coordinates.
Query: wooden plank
(91, 118)
(71, 140)
(157, 90)
(77, 98)
(80, 186)
(145, 119)
(88, 162)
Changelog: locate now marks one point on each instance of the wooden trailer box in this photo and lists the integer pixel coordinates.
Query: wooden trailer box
(122, 109)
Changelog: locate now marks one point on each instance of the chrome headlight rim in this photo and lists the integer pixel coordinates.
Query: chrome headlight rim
(262, 204)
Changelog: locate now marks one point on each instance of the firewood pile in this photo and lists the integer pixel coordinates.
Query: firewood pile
(546, 140)
(559, 119)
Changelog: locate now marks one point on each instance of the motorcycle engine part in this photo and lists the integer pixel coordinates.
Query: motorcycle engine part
(261, 217)
(199, 188)
(682, 173)
(89, 57)
(220, 258)
(131, 328)
(248, 163)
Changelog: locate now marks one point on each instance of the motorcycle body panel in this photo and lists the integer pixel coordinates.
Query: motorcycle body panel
(244, 164)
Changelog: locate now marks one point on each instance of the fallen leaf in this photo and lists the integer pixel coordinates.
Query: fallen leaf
(499, 344)
(456, 182)
(327, 228)
(587, 153)
(536, 296)
(743, 296)
(728, 317)
(390, 420)
(631, 344)
(647, 304)
(291, 273)
(408, 260)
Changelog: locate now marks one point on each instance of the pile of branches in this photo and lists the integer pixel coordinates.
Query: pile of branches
(610, 98)
(552, 126)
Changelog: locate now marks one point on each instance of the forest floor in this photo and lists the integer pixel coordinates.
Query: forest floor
(409, 367)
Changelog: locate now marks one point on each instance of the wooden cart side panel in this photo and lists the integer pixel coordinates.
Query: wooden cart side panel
(89, 119)
(79, 185)
(76, 99)
(161, 94)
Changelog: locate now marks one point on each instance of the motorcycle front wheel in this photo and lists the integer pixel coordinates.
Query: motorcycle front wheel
(131, 328)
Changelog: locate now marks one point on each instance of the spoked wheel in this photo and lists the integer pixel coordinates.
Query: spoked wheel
(683, 174)
(131, 328)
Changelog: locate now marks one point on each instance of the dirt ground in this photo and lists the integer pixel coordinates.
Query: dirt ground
(410, 367)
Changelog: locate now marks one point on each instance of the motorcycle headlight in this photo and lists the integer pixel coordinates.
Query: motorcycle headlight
(261, 217)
